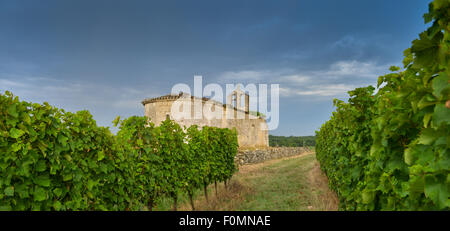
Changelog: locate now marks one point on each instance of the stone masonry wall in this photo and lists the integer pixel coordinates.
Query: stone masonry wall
(252, 130)
(261, 155)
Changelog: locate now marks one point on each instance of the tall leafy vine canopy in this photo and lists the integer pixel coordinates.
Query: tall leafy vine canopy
(56, 160)
(390, 150)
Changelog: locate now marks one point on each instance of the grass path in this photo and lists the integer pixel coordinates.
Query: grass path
(292, 183)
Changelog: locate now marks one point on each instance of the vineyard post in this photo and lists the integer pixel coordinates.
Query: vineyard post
(205, 186)
(191, 200)
(215, 185)
(175, 200)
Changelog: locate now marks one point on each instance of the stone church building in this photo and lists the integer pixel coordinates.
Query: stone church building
(251, 127)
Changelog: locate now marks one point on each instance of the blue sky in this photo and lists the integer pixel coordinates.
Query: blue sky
(106, 56)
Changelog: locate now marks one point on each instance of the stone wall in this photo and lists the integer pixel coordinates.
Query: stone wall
(261, 155)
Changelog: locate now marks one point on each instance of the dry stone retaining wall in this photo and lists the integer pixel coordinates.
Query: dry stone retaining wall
(261, 155)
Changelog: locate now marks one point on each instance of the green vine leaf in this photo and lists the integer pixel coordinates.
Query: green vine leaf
(16, 133)
(9, 191)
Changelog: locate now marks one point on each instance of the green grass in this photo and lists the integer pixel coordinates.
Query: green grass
(166, 203)
(280, 186)
(292, 184)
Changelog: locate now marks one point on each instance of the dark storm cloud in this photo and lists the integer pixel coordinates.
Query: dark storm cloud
(108, 54)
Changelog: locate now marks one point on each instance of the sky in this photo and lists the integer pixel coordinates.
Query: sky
(106, 56)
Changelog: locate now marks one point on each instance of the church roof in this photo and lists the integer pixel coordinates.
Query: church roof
(172, 97)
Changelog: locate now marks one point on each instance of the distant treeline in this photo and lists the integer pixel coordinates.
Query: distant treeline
(291, 141)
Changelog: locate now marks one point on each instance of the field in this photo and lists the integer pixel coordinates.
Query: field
(287, 184)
